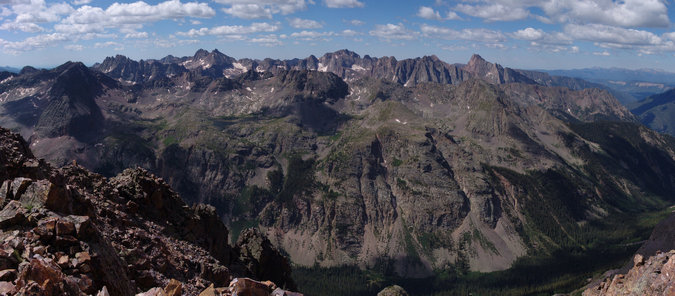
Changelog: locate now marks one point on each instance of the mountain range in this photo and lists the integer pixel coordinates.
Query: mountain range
(418, 164)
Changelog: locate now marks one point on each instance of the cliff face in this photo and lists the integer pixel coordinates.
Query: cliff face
(71, 231)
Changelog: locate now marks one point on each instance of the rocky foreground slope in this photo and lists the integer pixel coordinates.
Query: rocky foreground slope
(68, 231)
(650, 273)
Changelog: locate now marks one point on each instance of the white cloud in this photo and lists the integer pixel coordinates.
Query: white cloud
(453, 16)
(627, 13)
(25, 27)
(34, 43)
(604, 53)
(429, 13)
(494, 12)
(539, 36)
(136, 35)
(267, 40)
(391, 31)
(624, 13)
(73, 47)
(551, 48)
(496, 46)
(87, 19)
(299, 23)
(249, 11)
(81, 2)
(106, 44)
(195, 22)
(452, 47)
(258, 9)
(350, 33)
(355, 22)
(608, 34)
(476, 34)
(343, 3)
(37, 11)
(231, 30)
(311, 35)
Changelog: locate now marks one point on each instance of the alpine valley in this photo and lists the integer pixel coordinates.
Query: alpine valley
(414, 169)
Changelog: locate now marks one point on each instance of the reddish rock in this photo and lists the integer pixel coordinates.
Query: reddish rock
(174, 288)
(8, 275)
(280, 292)
(210, 291)
(655, 276)
(65, 227)
(248, 287)
(45, 273)
(154, 292)
(19, 186)
(6, 287)
(13, 213)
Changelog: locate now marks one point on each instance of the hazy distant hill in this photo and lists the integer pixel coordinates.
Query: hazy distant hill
(639, 83)
(9, 69)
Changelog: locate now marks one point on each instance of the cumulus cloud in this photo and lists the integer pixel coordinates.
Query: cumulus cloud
(231, 30)
(311, 35)
(33, 43)
(475, 34)
(106, 44)
(390, 32)
(25, 27)
(355, 22)
(609, 34)
(81, 2)
(270, 40)
(258, 9)
(299, 23)
(626, 13)
(136, 35)
(494, 12)
(604, 53)
(453, 47)
(429, 13)
(350, 33)
(87, 19)
(73, 47)
(539, 36)
(343, 3)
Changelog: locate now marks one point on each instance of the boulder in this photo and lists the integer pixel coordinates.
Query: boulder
(394, 290)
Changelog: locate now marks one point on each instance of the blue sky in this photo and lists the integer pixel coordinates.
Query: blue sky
(525, 34)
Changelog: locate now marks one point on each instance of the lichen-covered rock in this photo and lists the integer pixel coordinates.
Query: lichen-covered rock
(394, 290)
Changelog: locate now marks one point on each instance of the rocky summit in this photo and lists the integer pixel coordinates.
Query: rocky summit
(68, 231)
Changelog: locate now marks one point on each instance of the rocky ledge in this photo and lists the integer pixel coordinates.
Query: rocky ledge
(655, 276)
(68, 231)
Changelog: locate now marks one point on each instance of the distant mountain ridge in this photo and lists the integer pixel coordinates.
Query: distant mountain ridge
(346, 159)
(347, 65)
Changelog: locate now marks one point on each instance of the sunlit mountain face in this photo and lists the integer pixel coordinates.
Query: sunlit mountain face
(402, 170)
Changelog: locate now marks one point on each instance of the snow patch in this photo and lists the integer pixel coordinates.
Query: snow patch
(356, 67)
(8, 79)
(272, 90)
(322, 68)
(239, 66)
(249, 89)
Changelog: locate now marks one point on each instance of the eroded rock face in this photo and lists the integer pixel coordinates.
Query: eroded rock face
(653, 276)
(71, 232)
